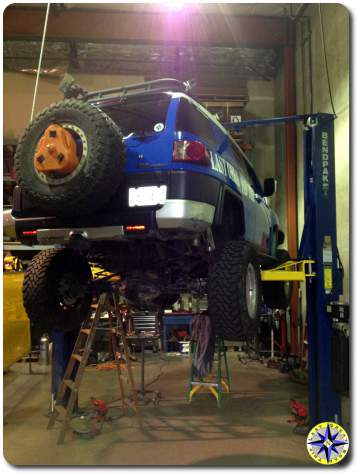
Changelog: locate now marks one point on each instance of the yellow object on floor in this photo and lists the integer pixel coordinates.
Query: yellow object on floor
(16, 325)
(212, 386)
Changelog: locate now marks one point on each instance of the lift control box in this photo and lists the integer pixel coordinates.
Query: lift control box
(338, 312)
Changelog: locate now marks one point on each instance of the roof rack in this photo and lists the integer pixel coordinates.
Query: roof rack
(157, 85)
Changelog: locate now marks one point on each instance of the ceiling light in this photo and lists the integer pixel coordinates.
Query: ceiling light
(174, 6)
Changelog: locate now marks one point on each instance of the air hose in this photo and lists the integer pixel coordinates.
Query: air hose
(204, 339)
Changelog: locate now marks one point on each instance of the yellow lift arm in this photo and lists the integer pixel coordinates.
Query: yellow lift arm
(289, 271)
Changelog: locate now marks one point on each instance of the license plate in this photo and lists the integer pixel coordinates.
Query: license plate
(147, 196)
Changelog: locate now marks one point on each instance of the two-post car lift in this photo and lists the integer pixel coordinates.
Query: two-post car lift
(319, 261)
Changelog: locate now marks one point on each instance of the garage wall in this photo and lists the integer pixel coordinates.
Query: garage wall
(336, 29)
(18, 90)
(261, 105)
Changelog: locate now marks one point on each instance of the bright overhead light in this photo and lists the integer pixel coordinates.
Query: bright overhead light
(174, 6)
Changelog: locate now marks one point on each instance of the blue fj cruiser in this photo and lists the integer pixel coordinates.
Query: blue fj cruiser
(145, 182)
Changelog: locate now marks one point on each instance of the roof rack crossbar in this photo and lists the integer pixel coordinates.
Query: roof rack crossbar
(147, 86)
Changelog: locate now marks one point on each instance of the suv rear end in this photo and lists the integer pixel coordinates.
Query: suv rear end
(148, 185)
(166, 187)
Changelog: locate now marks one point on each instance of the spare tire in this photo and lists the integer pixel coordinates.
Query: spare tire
(100, 160)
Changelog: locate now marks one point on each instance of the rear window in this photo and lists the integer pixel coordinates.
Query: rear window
(140, 116)
(190, 119)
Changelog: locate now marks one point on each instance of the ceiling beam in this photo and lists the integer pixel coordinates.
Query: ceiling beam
(186, 74)
(223, 68)
(149, 28)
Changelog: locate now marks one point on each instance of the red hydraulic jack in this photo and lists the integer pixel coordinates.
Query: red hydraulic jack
(89, 425)
(300, 417)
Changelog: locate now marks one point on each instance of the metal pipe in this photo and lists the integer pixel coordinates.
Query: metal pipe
(300, 11)
(291, 175)
(290, 152)
(40, 61)
(147, 85)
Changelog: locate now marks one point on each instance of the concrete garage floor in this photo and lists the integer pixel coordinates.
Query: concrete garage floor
(251, 428)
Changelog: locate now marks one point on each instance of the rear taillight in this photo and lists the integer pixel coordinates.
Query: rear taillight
(29, 233)
(190, 151)
(135, 228)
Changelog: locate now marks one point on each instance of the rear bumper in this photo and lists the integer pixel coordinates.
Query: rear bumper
(188, 215)
(190, 206)
(175, 215)
(65, 235)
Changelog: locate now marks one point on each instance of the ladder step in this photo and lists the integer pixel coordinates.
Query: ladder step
(76, 357)
(70, 384)
(87, 331)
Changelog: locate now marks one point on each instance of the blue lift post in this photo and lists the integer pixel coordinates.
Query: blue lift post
(318, 242)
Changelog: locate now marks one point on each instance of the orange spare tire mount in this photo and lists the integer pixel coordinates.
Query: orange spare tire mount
(56, 152)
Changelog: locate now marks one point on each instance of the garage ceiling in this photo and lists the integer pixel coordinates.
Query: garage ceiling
(262, 9)
(230, 66)
(150, 60)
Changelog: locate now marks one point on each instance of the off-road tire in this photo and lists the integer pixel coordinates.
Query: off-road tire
(41, 297)
(277, 295)
(227, 291)
(97, 180)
